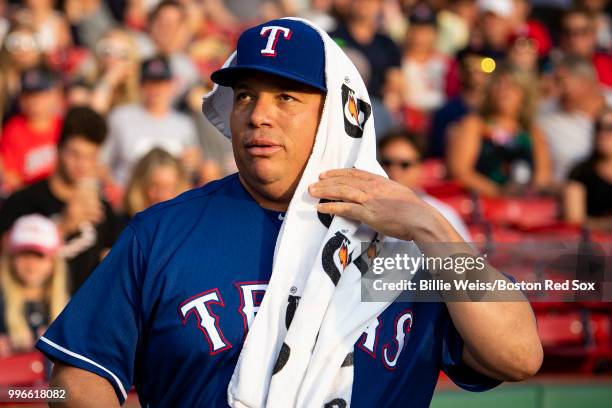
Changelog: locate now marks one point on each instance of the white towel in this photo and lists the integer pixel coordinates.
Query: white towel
(310, 364)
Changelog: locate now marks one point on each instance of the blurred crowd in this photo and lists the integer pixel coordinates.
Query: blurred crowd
(100, 114)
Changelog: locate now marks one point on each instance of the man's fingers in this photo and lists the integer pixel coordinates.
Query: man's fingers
(348, 210)
(352, 173)
(338, 192)
(353, 182)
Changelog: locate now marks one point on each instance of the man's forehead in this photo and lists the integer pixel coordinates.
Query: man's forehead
(262, 81)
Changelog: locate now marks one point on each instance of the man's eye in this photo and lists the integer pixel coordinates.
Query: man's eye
(287, 98)
(242, 96)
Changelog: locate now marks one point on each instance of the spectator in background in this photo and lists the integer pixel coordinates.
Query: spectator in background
(33, 283)
(90, 20)
(157, 177)
(255, 11)
(523, 53)
(603, 21)
(137, 12)
(501, 149)
(424, 70)
(473, 76)
(495, 27)
(568, 121)
(588, 192)
(28, 143)
(401, 159)
(114, 71)
(320, 13)
(51, 27)
(579, 38)
(4, 21)
(71, 196)
(455, 22)
(169, 36)
(526, 27)
(20, 51)
(360, 30)
(136, 129)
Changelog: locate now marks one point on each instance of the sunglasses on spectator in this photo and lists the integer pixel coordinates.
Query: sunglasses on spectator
(21, 42)
(403, 164)
(105, 49)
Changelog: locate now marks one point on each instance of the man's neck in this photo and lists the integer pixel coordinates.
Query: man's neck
(268, 200)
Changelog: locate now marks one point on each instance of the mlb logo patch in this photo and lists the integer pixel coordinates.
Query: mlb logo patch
(356, 112)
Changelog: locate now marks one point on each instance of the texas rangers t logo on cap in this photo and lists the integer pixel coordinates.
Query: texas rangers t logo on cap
(274, 32)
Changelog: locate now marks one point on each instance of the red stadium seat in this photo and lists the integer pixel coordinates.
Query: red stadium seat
(433, 172)
(561, 330)
(601, 327)
(444, 189)
(462, 203)
(522, 212)
(22, 369)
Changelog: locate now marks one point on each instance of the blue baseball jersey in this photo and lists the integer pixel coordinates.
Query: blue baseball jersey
(169, 307)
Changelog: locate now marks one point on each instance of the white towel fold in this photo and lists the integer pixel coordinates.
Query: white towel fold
(316, 258)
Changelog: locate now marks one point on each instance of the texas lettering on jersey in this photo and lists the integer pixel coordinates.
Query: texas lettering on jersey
(201, 307)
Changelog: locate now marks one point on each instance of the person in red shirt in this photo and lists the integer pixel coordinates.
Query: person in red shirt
(28, 143)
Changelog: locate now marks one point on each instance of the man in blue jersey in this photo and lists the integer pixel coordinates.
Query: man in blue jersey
(169, 308)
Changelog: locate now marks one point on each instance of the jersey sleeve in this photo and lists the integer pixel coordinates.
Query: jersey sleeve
(99, 329)
(454, 366)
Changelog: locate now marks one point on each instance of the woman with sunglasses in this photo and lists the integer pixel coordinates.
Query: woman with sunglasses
(501, 151)
(20, 51)
(588, 193)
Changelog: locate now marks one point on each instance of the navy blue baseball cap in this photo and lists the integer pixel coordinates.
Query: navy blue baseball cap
(37, 80)
(156, 69)
(287, 48)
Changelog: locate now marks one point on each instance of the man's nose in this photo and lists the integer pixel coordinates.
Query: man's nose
(262, 111)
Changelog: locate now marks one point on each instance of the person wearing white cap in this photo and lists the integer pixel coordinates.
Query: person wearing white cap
(496, 24)
(33, 281)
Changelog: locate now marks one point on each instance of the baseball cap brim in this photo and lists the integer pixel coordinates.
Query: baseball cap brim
(41, 249)
(156, 77)
(37, 88)
(228, 76)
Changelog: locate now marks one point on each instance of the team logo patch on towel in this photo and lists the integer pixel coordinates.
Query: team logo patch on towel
(335, 256)
(356, 112)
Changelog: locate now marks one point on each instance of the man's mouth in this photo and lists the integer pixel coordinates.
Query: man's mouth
(262, 147)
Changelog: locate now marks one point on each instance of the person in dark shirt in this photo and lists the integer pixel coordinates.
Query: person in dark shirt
(360, 31)
(500, 151)
(71, 196)
(588, 193)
